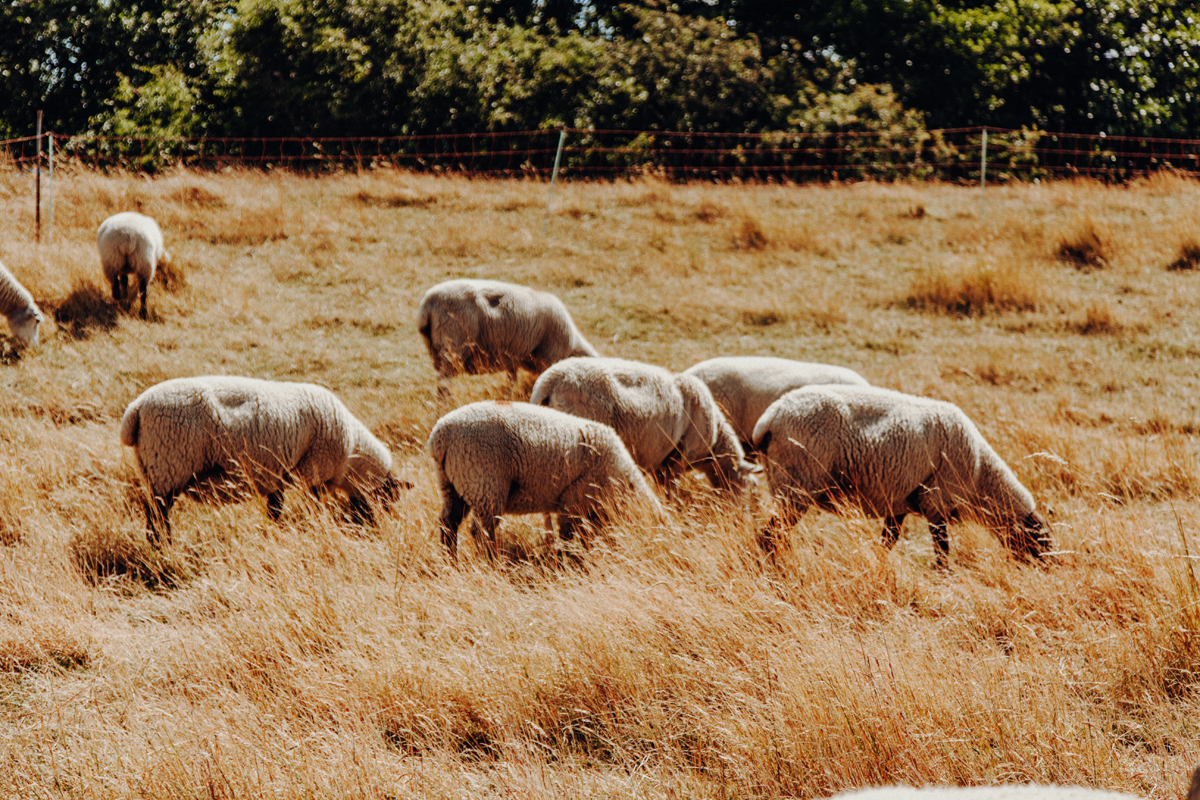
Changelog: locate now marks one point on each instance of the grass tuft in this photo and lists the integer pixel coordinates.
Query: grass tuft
(397, 199)
(1189, 257)
(974, 290)
(171, 275)
(1086, 246)
(106, 556)
(749, 234)
(39, 645)
(1100, 318)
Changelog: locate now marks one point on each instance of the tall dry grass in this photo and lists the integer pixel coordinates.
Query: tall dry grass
(313, 658)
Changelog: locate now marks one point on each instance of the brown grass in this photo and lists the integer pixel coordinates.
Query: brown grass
(1086, 245)
(312, 658)
(1188, 258)
(975, 288)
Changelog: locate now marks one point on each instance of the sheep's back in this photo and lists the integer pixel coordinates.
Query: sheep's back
(523, 454)
(744, 386)
(269, 429)
(266, 428)
(639, 401)
(871, 445)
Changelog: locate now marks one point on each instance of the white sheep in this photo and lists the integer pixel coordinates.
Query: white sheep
(669, 422)
(495, 458)
(130, 244)
(189, 432)
(1014, 791)
(744, 386)
(16, 303)
(891, 454)
(481, 326)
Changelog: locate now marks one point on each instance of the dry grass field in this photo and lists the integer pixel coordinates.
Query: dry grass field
(316, 659)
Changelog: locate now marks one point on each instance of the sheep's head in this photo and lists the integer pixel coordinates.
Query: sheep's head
(1030, 537)
(24, 325)
(389, 489)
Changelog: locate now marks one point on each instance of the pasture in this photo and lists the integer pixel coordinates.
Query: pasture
(315, 659)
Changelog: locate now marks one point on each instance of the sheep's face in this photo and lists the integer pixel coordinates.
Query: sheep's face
(25, 327)
(1030, 537)
(452, 341)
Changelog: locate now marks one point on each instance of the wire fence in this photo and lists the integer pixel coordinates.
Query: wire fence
(949, 155)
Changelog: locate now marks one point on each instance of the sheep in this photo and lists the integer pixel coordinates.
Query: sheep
(130, 244)
(495, 458)
(669, 422)
(16, 303)
(189, 432)
(1014, 791)
(744, 386)
(482, 326)
(891, 454)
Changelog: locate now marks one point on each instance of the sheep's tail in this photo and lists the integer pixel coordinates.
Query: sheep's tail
(130, 426)
(438, 444)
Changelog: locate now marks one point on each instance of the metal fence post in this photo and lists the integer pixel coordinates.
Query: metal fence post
(37, 182)
(50, 187)
(562, 139)
(983, 175)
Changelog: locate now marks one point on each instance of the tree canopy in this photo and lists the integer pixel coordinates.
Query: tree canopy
(377, 67)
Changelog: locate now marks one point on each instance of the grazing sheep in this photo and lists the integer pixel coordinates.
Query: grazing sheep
(744, 386)
(16, 303)
(481, 326)
(496, 458)
(1015, 791)
(669, 422)
(891, 454)
(190, 431)
(130, 244)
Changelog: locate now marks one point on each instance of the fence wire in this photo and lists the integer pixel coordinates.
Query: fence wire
(950, 154)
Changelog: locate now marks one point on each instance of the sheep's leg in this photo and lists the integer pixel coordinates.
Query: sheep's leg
(360, 511)
(485, 524)
(666, 474)
(275, 505)
(454, 509)
(791, 508)
(891, 529)
(569, 525)
(143, 289)
(941, 542)
(158, 522)
(117, 289)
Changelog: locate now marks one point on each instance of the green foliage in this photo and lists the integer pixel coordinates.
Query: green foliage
(374, 67)
(68, 57)
(165, 105)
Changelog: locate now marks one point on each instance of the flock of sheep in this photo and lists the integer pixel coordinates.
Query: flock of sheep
(826, 438)
(582, 447)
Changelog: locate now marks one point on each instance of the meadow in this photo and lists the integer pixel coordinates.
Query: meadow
(313, 658)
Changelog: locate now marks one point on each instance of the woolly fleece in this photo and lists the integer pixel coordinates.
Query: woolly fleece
(669, 422)
(744, 386)
(16, 304)
(497, 458)
(891, 454)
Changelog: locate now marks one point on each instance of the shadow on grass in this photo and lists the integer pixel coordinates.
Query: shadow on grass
(107, 557)
(84, 310)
